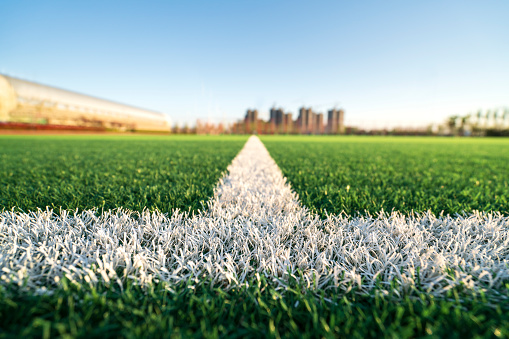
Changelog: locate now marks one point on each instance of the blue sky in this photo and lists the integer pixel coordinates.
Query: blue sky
(387, 63)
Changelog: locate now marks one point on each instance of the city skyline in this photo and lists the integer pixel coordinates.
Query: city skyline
(390, 64)
(282, 122)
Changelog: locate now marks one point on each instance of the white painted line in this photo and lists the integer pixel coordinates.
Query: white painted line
(255, 225)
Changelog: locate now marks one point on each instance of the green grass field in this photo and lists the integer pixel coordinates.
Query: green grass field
(450, 175)
(189, 310)
(368, 174)
(106, 172)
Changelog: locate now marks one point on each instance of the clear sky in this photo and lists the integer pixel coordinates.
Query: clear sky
(387, 63)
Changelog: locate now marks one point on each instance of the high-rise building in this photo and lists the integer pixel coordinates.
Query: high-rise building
(332, 121)
(272, 115)
(319, 128)
(276, 119)
(335, 121)
(288, 123)
(251, 120)
(306, 120)
(251, 116)
(311, 120)
(341, 121)
(302, 120)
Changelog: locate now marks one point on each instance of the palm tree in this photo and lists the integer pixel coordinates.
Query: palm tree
(451, 123)
(487, 121)
(495, 117)
(479, 119)
(468, 119)
(463, 124)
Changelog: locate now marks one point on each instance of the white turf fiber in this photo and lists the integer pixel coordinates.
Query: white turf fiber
(255, 225)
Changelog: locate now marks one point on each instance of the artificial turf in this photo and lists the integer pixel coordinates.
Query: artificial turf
(359, 175)
(260, 310)
(107, 172)
(405, 174)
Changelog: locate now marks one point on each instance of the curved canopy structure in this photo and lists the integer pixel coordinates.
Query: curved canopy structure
(26, 101)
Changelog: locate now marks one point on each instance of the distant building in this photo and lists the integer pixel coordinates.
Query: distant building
(288, 123)
(311, 121)
(276, 116)
(335, 121)
(276, 120)
(27, 102)
(319, 127)
(307, 122)
(251, 116)
(302, 120)
(251, 121)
